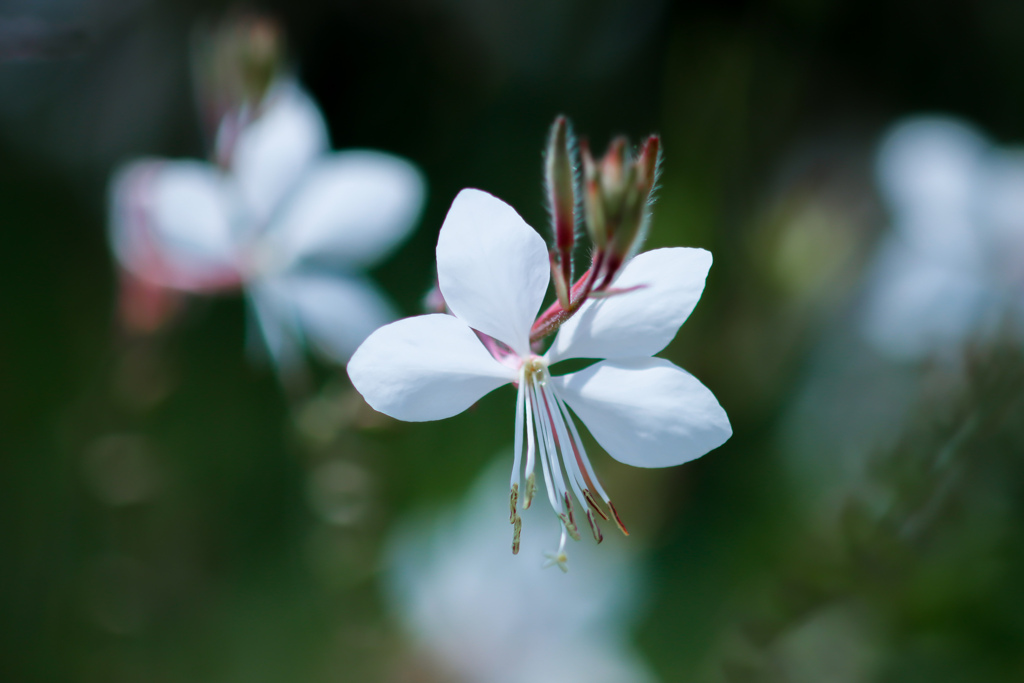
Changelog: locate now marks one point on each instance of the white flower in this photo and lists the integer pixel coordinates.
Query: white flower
(953, 265)
(480, 618)
(493, 271)
(287, 220)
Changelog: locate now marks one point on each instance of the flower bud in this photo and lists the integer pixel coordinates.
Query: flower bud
(560, 179)
(561, 281)
(617, 191)
(647, 164)
(593, 201)
(613, 165)
(236, 63)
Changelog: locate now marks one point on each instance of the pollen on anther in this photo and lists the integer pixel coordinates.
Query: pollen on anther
(569, 519)
(594, 527)
(517, 530)
(512, 500)
(531, 489)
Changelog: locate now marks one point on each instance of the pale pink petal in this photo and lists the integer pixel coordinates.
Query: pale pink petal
(666, 285)
(492, 268)
(646, 412)
(425, 368)
(171, 224)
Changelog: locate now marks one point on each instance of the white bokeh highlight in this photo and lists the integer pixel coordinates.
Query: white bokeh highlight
(481, 616)
(950, 270)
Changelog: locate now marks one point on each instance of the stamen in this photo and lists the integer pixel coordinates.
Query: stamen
(589, 476)
(518, 438)
(615, 513)
(560, 435)
(570, 519)
(531, 445)
(553, 470)
(581, 464)
(598, 536)
(517, 530)
(593, 504)
(546, 446)
(571, 463)
(547, 425)
(552, 433)
(513, 497)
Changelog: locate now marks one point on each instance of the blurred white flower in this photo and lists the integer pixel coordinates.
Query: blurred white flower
(480, 617)
(286, 220)
(952, 268)
(493, 272)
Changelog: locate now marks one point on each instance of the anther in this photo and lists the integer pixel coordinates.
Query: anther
(569, 518)
(517, 529)
(593, 504)
(615, 513)
(598, 536)
(569, 526)
(531, 488)
(512, 499)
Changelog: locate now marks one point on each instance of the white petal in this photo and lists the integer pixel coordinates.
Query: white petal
(332, 313)
(350, 207)
(274, 150)
(646, 412)
(171, 223)
(641, 322)
(425, 368)
(492, 268)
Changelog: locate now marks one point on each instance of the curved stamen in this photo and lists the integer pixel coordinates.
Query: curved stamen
(531, 445)
(544, 422)
(588, 474)
(514, 519)
(552, 452)
(572, 466)
(546, 446)
(518, 448)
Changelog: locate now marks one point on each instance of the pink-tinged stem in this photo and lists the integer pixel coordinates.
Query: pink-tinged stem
(556, 314)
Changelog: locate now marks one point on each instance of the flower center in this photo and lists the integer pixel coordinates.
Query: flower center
(264, 259)
(535, 371)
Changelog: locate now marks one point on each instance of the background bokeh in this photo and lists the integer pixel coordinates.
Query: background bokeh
(170, 514)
